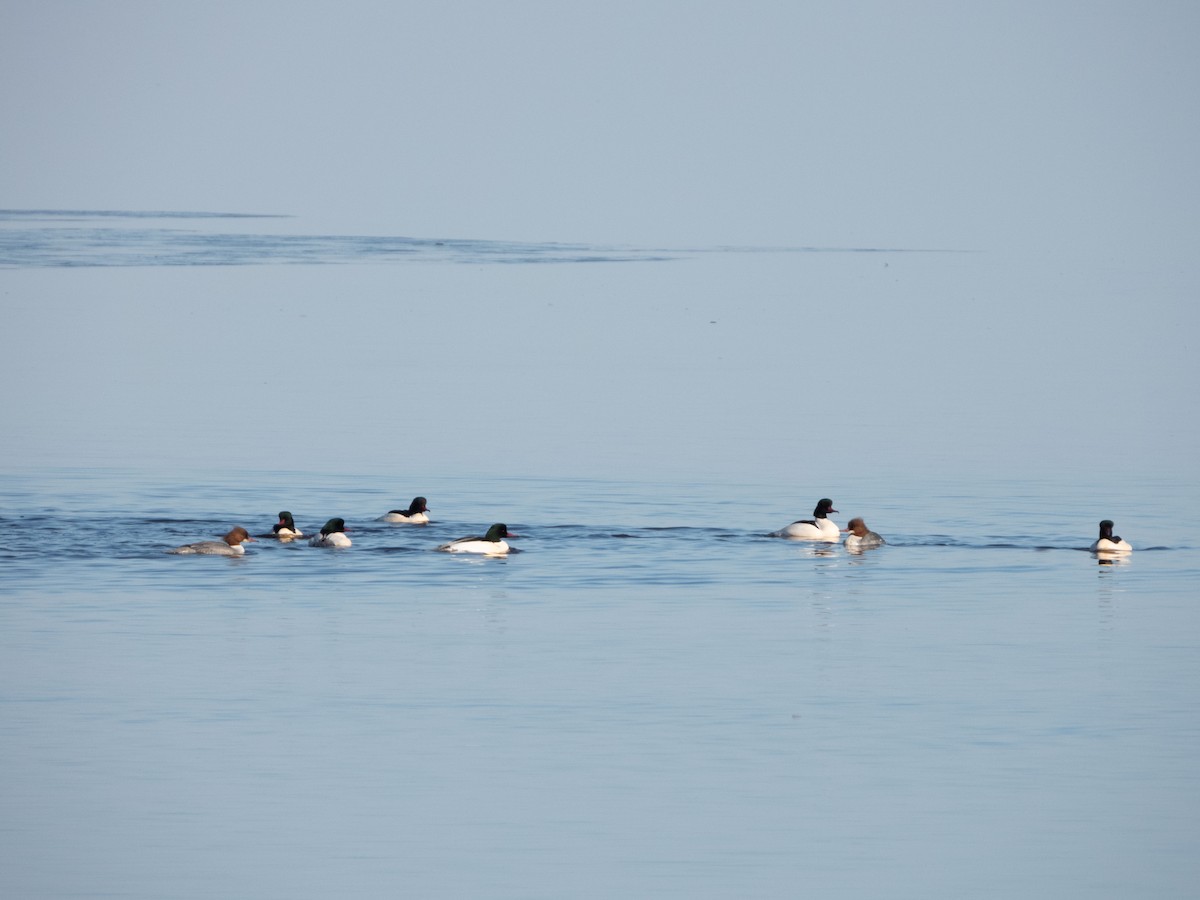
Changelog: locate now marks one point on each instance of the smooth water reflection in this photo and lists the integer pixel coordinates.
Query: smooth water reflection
(642, 710)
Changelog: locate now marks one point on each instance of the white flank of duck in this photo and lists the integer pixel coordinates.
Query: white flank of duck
(818, 528)
(492, 543)
(416, 514)
(332, 535)
(285, 529)
(1109, 542)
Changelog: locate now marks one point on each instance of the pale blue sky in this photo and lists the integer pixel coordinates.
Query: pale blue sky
(1054, 144)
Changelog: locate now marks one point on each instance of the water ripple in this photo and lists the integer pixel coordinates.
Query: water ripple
(112, 238)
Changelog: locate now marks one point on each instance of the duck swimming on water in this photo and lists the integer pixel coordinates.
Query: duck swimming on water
(491, 544)
(1109, 542)
(861, 537)
(818, 528)
(230, 545)
(285, 529)
(416, 514)
(333, 534)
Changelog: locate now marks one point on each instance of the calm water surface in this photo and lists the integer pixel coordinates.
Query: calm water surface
(653, 698)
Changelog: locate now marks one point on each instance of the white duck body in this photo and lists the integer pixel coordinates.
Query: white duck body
(333, 534)
(285, 529)
(1109, 542)
(818, 528)
(416, 514)
(230, 545)
(491, 544)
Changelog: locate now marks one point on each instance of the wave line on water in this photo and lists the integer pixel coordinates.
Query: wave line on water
(115, 238)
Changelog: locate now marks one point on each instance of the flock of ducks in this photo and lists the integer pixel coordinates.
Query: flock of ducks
(333, 534)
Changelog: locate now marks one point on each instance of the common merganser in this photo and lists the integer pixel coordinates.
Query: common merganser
(230, 545)
(492, 543)
(861, 537)
(332, 535)
(818, 528)
(416, 514)
(1108, 541)
(285, 529)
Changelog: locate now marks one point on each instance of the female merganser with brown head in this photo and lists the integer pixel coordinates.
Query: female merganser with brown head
(230, 545)
(861, 537)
